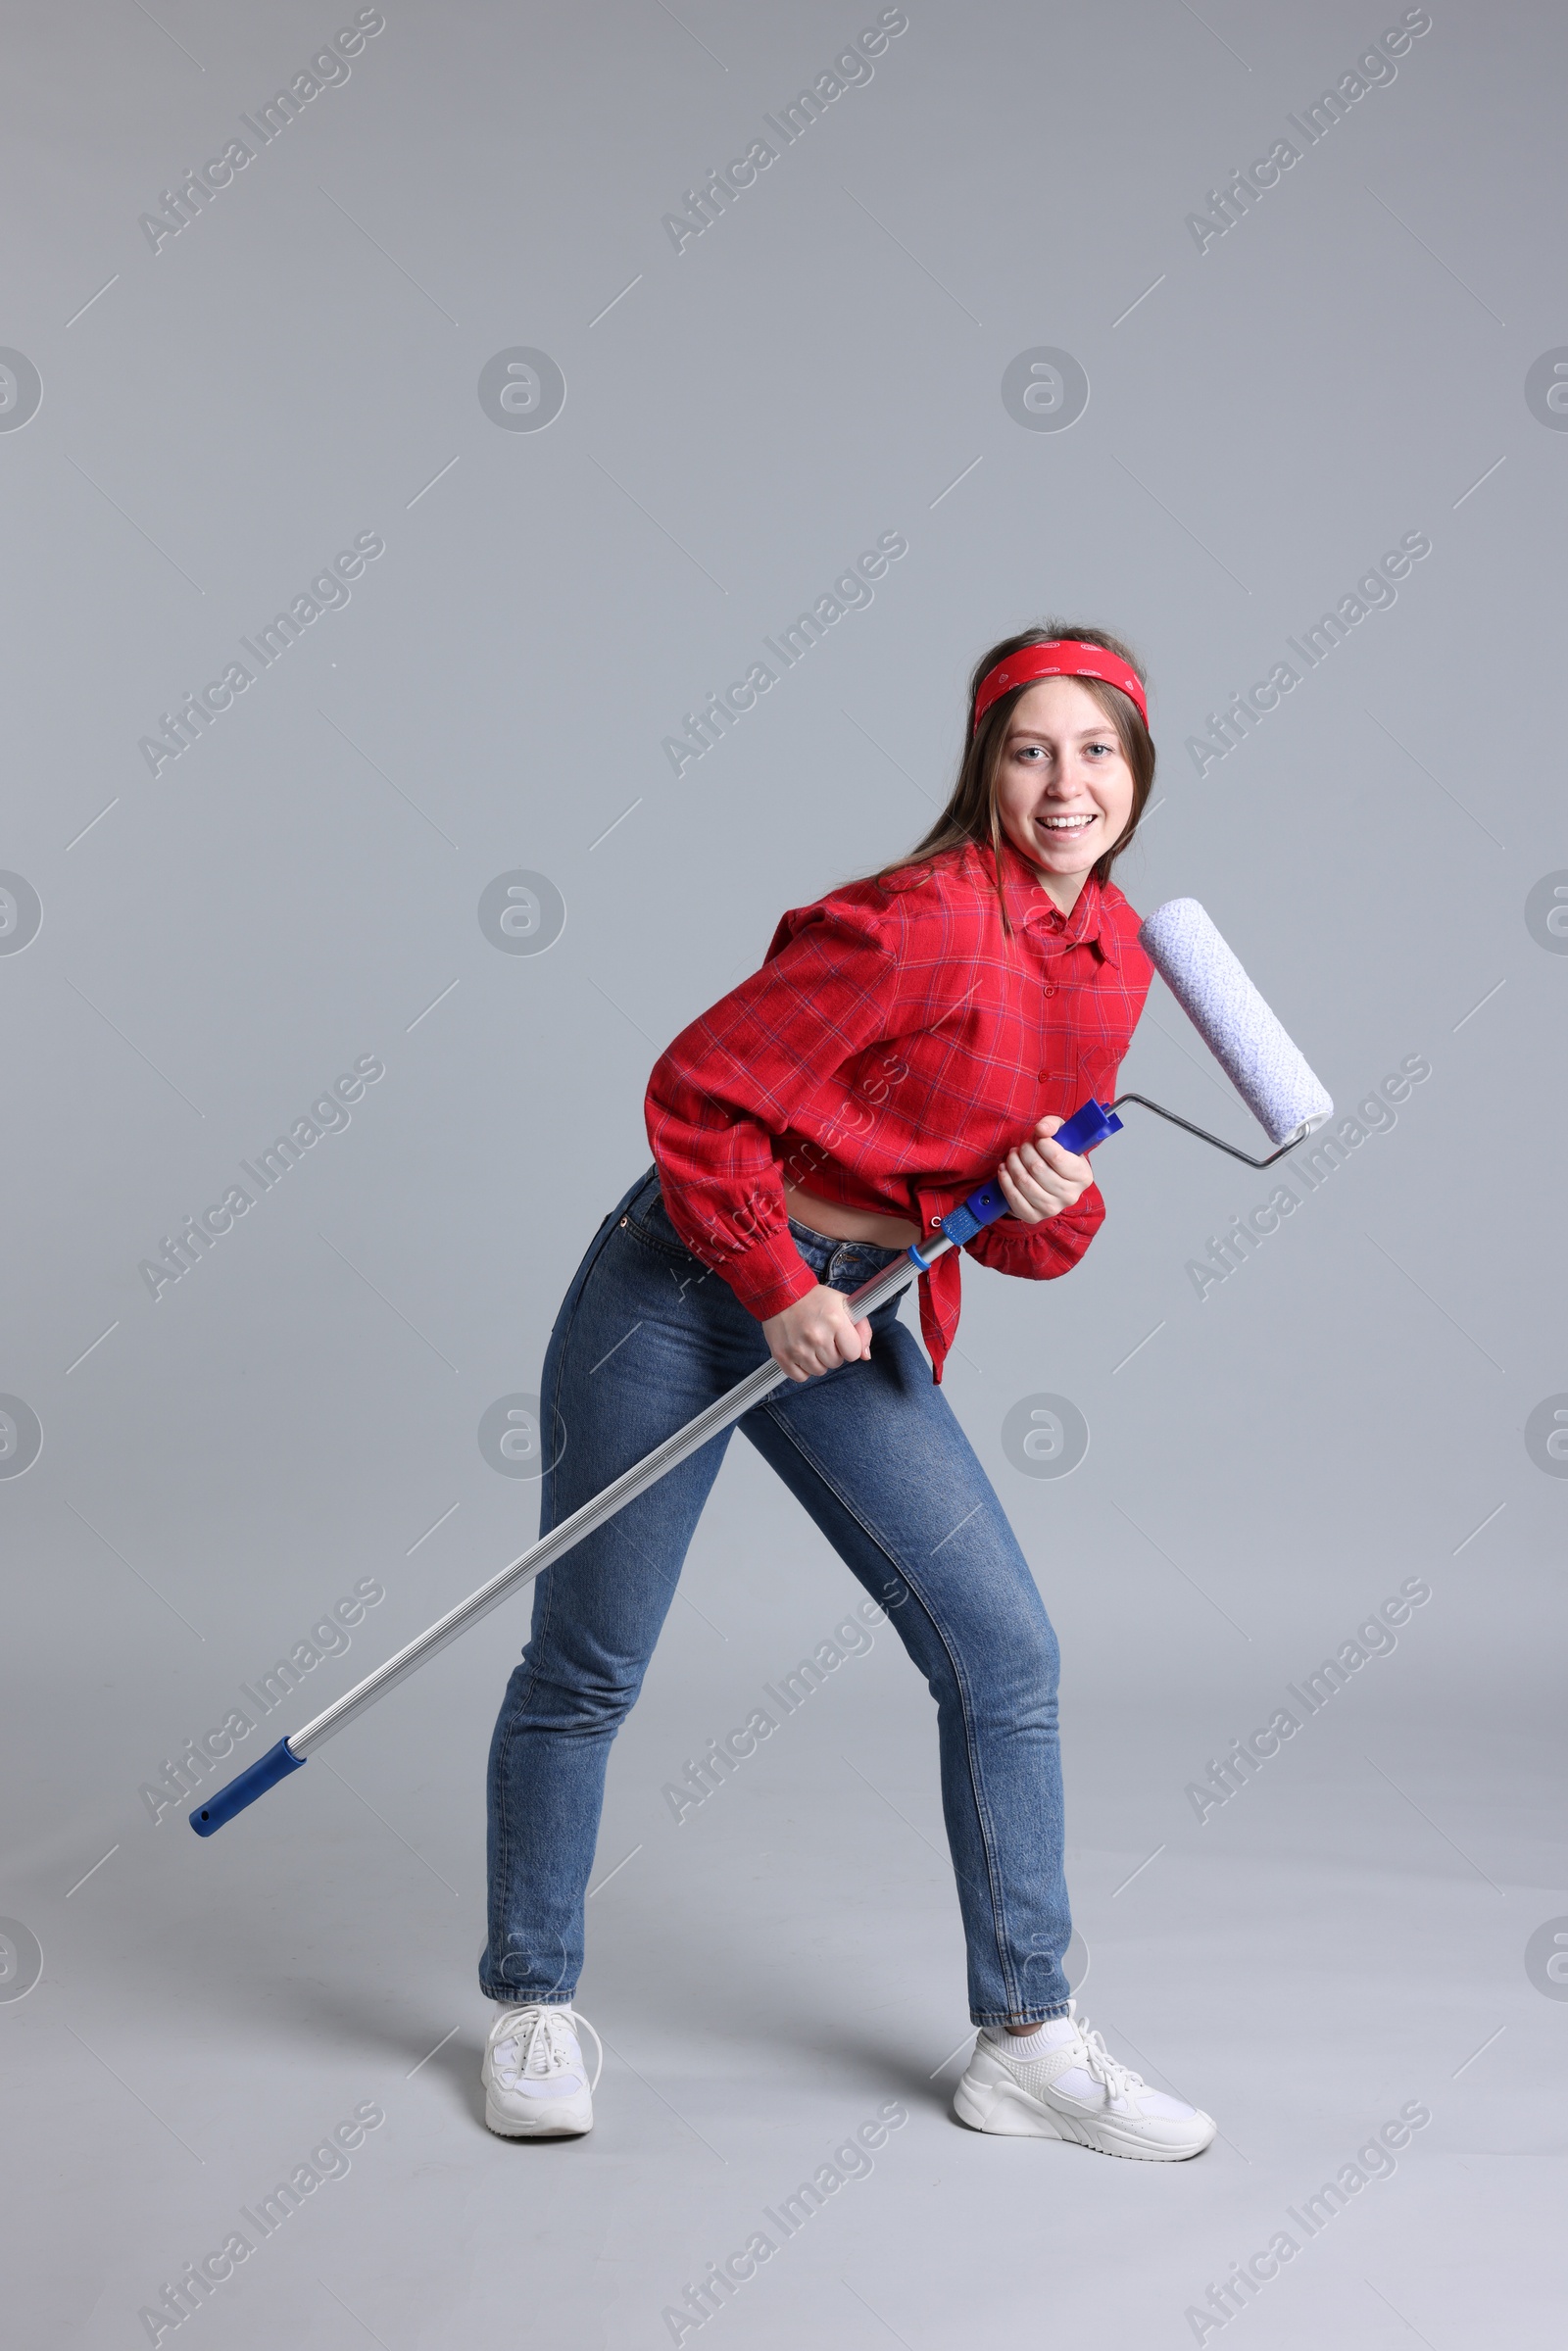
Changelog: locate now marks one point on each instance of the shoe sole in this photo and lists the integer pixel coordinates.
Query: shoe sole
(553, 2121)
(1006, 2111)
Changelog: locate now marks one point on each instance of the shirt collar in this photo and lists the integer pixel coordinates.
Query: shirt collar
(1089, 924)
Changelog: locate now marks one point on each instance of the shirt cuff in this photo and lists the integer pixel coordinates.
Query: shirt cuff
(769, 1276)
(1040, 1251)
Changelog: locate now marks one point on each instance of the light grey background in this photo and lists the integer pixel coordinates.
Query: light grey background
(301, 363)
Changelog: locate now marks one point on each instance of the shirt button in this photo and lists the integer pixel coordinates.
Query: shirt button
(1047, 986)
(936, 1220)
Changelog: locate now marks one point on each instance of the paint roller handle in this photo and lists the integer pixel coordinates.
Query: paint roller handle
(265, 1772)
(1086, 1127)
(1081, 1131)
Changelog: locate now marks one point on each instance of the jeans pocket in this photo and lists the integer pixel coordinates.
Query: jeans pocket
(648, 1217)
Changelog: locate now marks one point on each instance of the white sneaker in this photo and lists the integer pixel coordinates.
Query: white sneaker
(536, 2085)
(1065, 2085)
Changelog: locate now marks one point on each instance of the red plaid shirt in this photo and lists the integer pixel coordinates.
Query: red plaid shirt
(888, 1055)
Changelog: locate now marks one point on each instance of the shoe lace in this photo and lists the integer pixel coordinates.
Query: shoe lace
(540, 2045)
(1119, 2081)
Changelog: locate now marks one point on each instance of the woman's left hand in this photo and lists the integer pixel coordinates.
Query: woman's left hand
(1039, 1179)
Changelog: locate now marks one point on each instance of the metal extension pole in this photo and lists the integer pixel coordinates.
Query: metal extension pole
(291, 1752)
(1088, 1127)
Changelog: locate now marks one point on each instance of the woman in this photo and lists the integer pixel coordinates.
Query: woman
(908, 1037)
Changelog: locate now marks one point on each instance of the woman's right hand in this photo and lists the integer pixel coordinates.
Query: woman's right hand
(816, 1334)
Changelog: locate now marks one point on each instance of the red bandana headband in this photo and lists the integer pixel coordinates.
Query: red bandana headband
(1064, 657)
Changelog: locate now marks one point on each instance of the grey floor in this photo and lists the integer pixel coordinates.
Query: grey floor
(1343, 1940)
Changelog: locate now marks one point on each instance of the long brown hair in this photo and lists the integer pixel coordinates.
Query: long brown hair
(971, 811)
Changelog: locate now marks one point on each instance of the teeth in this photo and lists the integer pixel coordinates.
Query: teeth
(1065, 824)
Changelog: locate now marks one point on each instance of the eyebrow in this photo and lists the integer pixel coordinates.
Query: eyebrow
(1039, 735)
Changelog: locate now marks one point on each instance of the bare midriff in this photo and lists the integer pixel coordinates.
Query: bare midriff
(849, 1224)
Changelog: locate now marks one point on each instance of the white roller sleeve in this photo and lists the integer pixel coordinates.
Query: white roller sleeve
(1267, 1069)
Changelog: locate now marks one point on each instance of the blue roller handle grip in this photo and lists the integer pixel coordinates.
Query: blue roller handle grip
(1086, 1127)
(265, 1772)
(1082, 1131)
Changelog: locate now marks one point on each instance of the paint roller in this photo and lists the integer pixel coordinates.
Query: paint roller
(1267, 1069)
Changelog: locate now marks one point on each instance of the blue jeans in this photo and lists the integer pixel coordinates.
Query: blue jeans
(645, 1339)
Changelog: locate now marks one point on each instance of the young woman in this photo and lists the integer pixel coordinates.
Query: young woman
(908, 1037)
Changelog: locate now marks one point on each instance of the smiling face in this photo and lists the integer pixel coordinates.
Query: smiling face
(1065, 790)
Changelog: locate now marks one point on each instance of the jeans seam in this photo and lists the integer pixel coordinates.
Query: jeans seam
(546, 1591)
(596, 1250)
(515, 1715)
(546, 1588)
(998, 1912)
